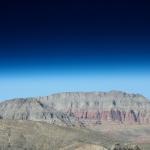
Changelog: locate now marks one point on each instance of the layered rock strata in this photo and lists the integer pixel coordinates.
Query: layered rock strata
(80, 108)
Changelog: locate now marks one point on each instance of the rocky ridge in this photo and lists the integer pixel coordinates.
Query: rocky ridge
(80, 108)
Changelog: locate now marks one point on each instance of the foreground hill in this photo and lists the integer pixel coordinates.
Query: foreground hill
(29, 135)
(34, 135)
(80, 108)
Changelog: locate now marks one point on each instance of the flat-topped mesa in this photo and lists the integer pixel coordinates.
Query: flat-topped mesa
(81, 107)
(101, 106)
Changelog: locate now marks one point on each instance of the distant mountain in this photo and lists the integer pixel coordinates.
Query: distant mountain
(80, 108)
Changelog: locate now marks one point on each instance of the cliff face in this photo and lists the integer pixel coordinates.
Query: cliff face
(80, 108)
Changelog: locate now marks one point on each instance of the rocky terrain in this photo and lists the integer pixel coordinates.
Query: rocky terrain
(80, 108)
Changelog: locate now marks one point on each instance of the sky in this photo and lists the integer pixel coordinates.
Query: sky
(64, 46)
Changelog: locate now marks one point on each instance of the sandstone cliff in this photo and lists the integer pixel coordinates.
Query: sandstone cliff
(80, 108)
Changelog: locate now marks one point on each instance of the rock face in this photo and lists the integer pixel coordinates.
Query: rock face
(82, 108)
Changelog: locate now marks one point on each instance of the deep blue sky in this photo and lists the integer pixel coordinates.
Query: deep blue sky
(74, 46)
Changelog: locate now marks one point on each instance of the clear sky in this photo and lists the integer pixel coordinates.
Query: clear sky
(74, 46)
(48, 83)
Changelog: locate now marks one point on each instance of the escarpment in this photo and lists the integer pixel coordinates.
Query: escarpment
(80, 108)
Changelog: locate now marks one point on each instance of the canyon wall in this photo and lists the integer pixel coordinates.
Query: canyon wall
(82, 108)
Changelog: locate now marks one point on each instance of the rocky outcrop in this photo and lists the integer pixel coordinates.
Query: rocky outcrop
(125, 147)
(80, 108)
